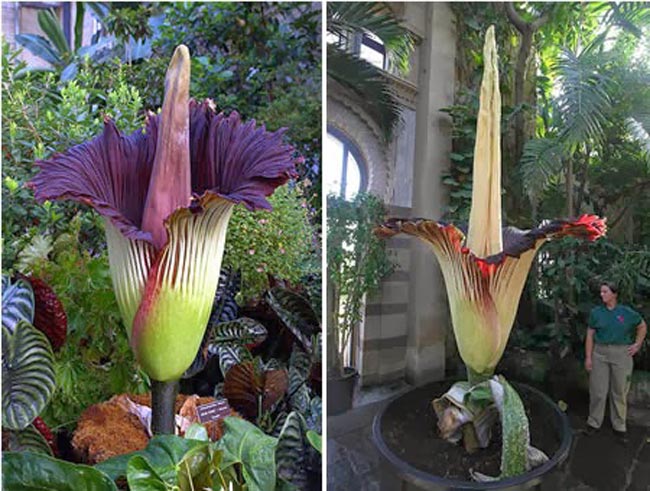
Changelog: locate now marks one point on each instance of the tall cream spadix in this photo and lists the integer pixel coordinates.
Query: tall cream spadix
(484, 231)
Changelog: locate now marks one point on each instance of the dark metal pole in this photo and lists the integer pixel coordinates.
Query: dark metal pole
(163, 400)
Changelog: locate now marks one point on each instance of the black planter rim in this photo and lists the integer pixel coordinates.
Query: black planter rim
(405, 469)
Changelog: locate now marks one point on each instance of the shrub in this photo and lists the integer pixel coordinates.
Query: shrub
(277, 244)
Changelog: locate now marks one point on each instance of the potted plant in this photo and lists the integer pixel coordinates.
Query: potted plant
(485, 271)
(166, 196)
(356, 263)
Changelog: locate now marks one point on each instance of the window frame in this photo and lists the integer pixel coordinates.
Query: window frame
(349, 147)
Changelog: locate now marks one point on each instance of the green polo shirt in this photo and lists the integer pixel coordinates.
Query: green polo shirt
(616, 326)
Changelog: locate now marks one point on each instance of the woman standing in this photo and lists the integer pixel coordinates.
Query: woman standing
(614, 335)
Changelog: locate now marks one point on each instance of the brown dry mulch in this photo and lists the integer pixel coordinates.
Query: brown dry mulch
(107, 429)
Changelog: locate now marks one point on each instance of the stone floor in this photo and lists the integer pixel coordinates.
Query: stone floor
(596, 463)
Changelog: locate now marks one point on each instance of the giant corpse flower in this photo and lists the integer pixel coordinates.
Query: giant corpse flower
(166, 194)
(485, 268)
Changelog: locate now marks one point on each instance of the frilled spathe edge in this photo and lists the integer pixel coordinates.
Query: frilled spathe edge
(515, 241)
(237, 161)
(109, 173)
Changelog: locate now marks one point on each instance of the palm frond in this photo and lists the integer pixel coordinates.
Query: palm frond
(378, 19)
(368, 82)
(639, 128)
(541, 161)
(584, 101)
(630, 16)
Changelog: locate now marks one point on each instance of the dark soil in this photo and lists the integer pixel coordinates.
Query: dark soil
(409, 429)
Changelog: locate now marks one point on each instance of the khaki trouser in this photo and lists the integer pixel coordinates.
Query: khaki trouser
(611, 372)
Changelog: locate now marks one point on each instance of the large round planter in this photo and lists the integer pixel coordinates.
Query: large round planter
(413, 478)
(340, 391)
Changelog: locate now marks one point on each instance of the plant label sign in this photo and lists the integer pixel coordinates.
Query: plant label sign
(213, 411)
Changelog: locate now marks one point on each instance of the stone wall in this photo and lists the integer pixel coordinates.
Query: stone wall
(383, 335)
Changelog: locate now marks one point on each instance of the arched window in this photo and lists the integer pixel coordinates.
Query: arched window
(345, 172)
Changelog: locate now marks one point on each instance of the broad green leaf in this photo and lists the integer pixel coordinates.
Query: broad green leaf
(28, 377)
(141, 476)
(26, 471)
(243, 443)
(197, 432)
(292, 451)
(17, 302)
(162, 453)
(199, 469)
(27, 440)
(315, 439)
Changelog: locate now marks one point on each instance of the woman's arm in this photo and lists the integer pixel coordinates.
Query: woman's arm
(641, 331)
(589, 348)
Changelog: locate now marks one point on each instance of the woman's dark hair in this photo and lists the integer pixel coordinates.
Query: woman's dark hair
(612, 286)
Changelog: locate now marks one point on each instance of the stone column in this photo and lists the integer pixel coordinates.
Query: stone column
(428, 318)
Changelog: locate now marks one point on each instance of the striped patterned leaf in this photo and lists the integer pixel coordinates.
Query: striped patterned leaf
(296, 313)
(292, 451)
(315, 415)
(300, 398)
(279, 424)
(27, 375)
(225, 308)
(300, 361)
(272, 364)
(27, 440)
(232, 335)
(17, 302)
(230, 355)
(241, 331)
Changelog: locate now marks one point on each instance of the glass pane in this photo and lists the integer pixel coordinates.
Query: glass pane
(353, 182)
(333, 168)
